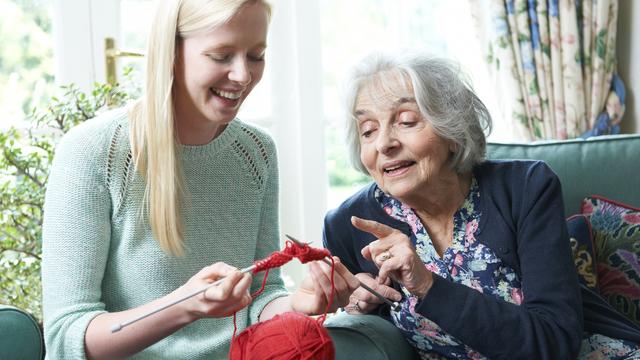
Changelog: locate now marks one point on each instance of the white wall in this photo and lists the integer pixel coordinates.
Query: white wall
(628, 50)
(297, 122)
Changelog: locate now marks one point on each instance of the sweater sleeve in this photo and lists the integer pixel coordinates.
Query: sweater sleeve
(268, 240)
(548, 324)
(76, 234)
(343, 240)
(336, 238)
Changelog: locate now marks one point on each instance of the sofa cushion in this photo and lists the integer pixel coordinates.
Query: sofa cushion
(582, 247)
(616, 233)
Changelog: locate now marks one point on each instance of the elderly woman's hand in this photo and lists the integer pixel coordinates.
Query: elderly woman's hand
(364, 302)
(395, 256)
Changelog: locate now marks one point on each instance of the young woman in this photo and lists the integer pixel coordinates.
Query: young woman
(150, 203)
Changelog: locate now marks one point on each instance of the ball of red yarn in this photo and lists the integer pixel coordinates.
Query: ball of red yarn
(286, 336)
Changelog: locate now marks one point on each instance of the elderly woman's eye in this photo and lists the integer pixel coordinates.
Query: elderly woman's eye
(408, 120)
(366, 128)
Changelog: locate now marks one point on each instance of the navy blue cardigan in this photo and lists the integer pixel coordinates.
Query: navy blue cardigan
(523, 222)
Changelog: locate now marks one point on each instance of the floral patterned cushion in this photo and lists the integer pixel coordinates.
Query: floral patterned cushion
(616, 233)
(581, 239)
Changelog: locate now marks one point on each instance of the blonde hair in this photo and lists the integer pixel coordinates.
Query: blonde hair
(153, 139)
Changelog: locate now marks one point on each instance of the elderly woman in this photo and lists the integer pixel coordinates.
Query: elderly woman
(477, 250)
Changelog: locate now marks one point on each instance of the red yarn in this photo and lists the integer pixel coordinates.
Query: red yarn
(304, 253)
(288, 336)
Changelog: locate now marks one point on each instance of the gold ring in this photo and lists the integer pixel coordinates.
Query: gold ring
(386, 255)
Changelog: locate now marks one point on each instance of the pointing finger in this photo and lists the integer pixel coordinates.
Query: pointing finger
(372, 227)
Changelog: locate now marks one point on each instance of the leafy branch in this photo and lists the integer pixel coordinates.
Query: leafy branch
(25, 162)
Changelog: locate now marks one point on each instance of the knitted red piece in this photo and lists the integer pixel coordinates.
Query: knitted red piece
(288, 336)
(304, 253)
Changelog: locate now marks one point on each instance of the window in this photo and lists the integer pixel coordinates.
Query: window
(352, 29)
(311, 45)
(26, 58)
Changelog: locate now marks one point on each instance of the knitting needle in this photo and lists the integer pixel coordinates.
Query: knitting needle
(118, 327)
(394, 305)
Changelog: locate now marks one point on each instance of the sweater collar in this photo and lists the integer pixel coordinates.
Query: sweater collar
(213, 147)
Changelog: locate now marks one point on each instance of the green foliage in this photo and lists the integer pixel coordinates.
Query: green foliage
(25, 160)
(340, 171)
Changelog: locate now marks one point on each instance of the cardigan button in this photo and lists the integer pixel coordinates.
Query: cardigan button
(504, 250)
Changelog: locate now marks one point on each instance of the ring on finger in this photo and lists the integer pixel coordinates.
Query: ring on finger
(385, 255)
(356, 306)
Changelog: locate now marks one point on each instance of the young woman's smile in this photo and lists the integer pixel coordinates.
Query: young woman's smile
(215, 72)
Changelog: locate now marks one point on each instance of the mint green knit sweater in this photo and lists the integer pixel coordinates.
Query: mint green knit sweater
(99, 255)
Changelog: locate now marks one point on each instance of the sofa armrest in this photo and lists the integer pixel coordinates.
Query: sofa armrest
(20, 335)
(367, 337)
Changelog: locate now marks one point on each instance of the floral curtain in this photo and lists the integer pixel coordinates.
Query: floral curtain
(554, 65)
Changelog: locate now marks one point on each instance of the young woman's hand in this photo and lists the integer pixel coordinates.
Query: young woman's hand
(364, 302)
(395, 256)
(218, 301)
(313, 295)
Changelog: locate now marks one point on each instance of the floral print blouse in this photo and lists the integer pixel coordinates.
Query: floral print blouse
(475, 265)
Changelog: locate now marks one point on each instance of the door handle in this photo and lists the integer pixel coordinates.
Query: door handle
(111, 54)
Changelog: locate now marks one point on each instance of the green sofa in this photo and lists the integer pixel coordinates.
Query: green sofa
(606, 166)
(20, 335)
